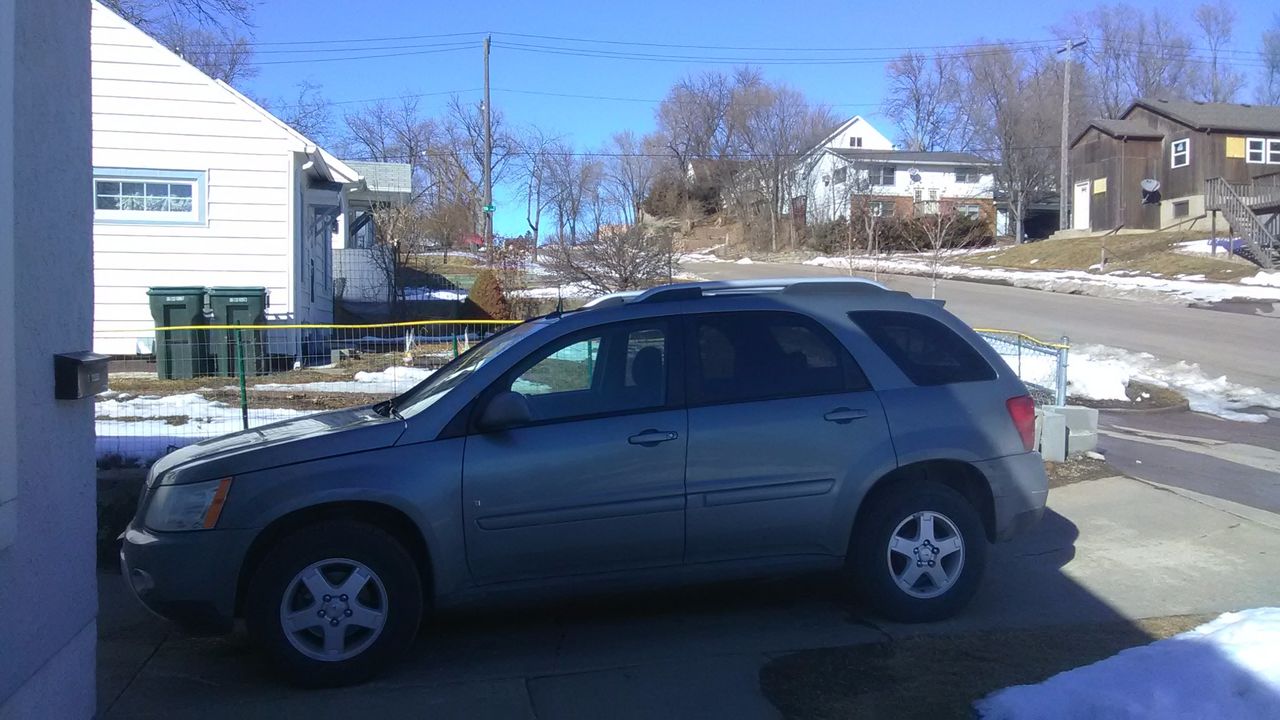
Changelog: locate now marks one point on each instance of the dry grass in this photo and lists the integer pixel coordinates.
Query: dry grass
(1147, 253)
(941, 676)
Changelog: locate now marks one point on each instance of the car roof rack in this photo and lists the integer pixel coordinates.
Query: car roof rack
(695, 290)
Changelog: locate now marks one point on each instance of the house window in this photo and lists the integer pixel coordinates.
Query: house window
(1273, 152)
(839, 175)
(1256, 151)
(966, 175)
(880, 208)
(855, 142)
(969, 210)
(1181, 208)
(1180, 153)
(148, 196)
(883, 175)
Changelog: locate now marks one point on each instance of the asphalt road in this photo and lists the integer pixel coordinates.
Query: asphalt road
(1236, 340)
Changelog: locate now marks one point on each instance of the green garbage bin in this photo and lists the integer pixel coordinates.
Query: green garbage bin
(179, 353)
(238, 306)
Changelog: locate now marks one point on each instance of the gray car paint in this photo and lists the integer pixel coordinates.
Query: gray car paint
(528, 479)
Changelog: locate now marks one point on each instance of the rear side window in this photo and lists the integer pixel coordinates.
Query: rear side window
(745, 356)
(927, 352)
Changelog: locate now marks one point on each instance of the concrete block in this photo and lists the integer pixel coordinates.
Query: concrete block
(1082, 427)
(1053, 435)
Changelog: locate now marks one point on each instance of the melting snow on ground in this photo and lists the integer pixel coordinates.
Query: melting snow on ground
(392, 381)
(1228, 668)
(1263, 286)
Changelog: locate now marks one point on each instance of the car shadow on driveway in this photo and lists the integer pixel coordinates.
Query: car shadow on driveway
(694, 652)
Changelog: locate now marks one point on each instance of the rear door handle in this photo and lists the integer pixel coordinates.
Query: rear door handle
(649, 438)
(844, 415)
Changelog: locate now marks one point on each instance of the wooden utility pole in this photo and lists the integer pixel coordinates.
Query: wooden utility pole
(1063, 172)
(488, 158)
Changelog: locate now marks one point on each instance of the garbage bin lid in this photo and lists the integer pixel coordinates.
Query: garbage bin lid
(176, 290)
(234, 290)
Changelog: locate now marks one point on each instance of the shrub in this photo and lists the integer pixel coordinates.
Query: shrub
(487, 300)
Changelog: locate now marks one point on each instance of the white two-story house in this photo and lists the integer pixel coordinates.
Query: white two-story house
(856, 169)
(197, 185)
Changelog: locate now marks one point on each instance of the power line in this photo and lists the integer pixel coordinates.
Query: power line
(362, 57)
(708, 59)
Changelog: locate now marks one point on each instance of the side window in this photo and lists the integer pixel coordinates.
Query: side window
(616, 369)
(927, 352)
(745, 356)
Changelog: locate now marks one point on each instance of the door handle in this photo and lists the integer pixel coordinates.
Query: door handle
(649, 438)
(844, 415)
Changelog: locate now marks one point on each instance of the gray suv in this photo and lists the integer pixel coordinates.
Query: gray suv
(699, 431)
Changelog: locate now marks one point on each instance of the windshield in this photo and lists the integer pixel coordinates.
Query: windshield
(460, 368)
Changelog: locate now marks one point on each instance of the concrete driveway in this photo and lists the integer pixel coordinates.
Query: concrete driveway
(1109, 549)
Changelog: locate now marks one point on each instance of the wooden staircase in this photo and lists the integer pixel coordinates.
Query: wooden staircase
(1253, 212)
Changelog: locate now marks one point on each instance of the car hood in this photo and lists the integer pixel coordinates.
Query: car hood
(312, 437)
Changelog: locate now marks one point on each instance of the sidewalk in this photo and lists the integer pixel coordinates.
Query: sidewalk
(1109, 550)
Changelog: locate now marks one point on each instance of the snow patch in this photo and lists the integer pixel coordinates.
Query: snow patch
(744, 261)
(1116, 283)
(1227, 668)
(1266, 279)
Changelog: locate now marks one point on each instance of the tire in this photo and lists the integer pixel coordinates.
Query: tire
(354, 634)
(956, 547)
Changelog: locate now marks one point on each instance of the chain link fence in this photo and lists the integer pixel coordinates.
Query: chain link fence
(204, 381)
(1041, 365)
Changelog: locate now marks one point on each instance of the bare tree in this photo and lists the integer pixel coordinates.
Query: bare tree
(145, 13)
(629, 172)
(615, 259)
(534, 164)
(1130, 54)
(309, 112)
(575, 181)
(1217, 81)
(1269, 83)
(933, 231)
(218, 53)
(925, 103)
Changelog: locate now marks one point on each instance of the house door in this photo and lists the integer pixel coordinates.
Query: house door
(1080, 206)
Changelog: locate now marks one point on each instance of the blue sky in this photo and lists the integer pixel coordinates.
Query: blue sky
(849, 88)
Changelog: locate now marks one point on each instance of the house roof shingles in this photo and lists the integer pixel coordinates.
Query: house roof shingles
(909, 156)
(384, 177)
(1125, 128)
(1216, 116)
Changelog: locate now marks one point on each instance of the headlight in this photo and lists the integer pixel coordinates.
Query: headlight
(187, 507)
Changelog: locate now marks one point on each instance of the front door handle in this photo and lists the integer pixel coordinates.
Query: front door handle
(844, 415)
(649, 438)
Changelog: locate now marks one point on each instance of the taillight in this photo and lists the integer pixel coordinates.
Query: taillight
(1022, 410)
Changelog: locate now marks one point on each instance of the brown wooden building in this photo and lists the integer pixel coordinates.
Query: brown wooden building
(1179, 144)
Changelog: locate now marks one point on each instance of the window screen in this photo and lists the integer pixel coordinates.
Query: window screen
(927, 352)
(740, 357)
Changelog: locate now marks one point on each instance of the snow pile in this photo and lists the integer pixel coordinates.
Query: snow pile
(571, 290)
(698, 257)
(391, 381)
(1070, 281)
(1227, 668)
(146, 427)
(1101, 373)
(744, 261)
(1195, 247)
(1268, 279)
(423, 293)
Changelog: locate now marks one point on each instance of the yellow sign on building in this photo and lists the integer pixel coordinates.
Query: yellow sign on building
(1099, 186)
(1235, 147)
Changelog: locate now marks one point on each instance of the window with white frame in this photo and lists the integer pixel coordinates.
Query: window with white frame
(148, 196)
(1273, 151)
(1256, 151)
(880, 208)
(883, 175)
(1180, 153)
(970, 210)
(966, 175)
(855, 142)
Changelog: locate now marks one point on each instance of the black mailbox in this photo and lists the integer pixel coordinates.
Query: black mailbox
(79, 375)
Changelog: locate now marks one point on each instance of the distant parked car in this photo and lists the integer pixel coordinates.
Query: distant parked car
(699, 431)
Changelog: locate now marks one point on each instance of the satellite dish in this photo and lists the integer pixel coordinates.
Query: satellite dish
(1150, 191)
(914, 173)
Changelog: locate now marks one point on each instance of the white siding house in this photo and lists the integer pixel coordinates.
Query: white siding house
(195, 184)
(858, 160)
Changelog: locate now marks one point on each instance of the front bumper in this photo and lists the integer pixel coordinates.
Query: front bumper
(187, 577)
(1019, 488)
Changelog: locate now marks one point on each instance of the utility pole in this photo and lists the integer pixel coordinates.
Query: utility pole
(1063, 174)
(488, 158)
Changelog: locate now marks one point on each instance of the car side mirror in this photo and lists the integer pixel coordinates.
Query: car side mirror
(505, 410)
